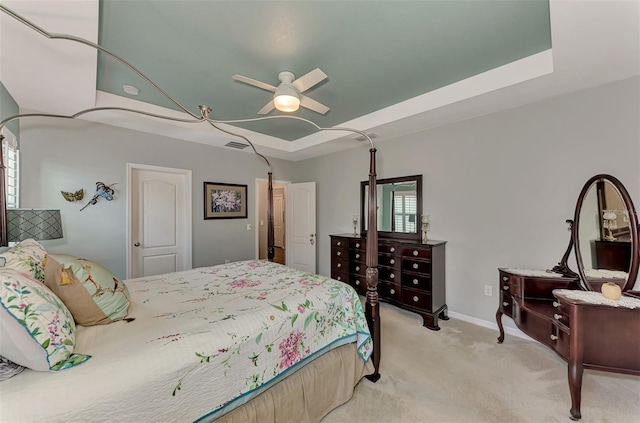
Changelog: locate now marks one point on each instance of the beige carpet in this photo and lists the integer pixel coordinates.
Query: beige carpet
(461, 374)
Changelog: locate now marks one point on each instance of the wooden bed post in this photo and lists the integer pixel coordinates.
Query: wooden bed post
(270, 239)
(4, 240)
(372, 309)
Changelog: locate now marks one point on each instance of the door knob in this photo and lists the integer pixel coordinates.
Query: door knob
(137, 244)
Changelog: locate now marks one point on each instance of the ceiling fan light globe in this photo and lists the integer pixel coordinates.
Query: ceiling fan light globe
(286, 103)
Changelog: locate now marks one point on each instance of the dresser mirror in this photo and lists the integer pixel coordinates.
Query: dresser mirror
(605, 234)
(399, 202)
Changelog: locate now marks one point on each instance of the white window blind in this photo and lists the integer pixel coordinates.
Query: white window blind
(11, 160)
(405, 209)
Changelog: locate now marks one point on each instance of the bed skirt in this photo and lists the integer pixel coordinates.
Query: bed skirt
(310, 393)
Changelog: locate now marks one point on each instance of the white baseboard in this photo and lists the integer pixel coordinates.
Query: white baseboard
(491, 325)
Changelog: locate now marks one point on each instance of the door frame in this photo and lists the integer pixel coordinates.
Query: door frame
(187, 209)
(256, 225)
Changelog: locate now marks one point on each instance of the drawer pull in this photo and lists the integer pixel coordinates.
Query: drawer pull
(505, 278)
(339, 278)
(556, 304)
(415, 299)
(553, 337)
(415, 265)
(357, 245)
(357, 268)
(504, 303)
(392, 261)
(339, 253)
(557, 316)
(339, 265)
(357, 282)
(392, 276)
(415, 252)
(392, 249)
(357, 255)
(506, 287)
(415, 281)
(338, 243)
(392, 291)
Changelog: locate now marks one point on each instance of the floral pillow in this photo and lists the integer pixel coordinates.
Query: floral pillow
(25, 257)
(93, 294)
(36, 329)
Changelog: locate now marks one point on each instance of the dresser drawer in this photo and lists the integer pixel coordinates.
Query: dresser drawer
(339, 243)
(388, 260)
(415, 298)
(357, 255)
(416, 252)
(388, 249)
(340, 276)
(416, 281)
(359, 269)
(389, 274)
(358, 244)
(390, 290)
(339, 265)
(417, 266)
(359, 283)
(339, 254)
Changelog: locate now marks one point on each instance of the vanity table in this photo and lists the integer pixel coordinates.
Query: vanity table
(565, 310)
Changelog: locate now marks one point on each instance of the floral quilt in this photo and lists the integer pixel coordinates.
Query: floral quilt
(194, 345)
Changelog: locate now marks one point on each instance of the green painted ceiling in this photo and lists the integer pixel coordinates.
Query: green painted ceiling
(375, 53)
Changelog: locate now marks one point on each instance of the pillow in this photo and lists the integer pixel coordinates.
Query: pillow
(9, 369)
(36, 329)
(93, 295)
(25, 257)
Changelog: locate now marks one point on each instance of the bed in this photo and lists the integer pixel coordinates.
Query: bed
(199, 343)
(245, 341)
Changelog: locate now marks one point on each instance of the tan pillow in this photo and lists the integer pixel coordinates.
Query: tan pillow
(93, 295)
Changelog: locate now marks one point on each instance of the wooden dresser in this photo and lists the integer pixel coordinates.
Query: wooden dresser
(584, 333)
(410, 275)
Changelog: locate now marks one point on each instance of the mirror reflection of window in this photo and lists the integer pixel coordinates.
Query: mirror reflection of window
(404, 211)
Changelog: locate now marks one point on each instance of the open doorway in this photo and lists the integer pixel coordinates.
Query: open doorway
(279, 219)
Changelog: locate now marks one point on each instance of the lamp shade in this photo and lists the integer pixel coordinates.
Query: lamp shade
(286, 99)
(39, 224)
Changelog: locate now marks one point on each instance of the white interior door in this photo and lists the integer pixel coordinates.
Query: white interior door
(159, 239)
(278, 220)
(301, 226)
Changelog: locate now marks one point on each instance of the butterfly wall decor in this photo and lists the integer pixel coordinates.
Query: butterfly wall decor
(102, 190)
(73, 196)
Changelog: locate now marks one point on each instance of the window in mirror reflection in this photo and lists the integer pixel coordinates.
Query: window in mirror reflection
(404, 211)
(397, 207)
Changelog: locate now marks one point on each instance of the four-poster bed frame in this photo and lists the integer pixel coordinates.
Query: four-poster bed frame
(372, 305)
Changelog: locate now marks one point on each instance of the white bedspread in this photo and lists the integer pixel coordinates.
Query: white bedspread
(200, 339)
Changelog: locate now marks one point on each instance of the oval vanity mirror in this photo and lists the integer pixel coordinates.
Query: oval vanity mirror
(605, 234)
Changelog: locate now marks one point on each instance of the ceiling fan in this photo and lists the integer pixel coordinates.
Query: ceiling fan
(287, 96)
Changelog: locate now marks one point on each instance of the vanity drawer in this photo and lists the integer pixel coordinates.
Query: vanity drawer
(416, 281)
(506, 303)
(388, 260)
(418, 266)
(562, 313)
(423, 253)
(415, 298)
(559, 338)
(389, 274)
(390, 290)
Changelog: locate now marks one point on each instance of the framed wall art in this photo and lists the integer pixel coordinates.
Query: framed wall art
(225, 201)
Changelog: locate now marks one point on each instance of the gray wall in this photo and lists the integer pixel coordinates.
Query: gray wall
(8, 107)
(69, 155)
(498, 187)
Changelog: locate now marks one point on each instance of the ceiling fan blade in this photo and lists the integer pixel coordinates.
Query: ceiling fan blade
(311, 104)
(253, 82)
(267, 108)
(309, 80)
